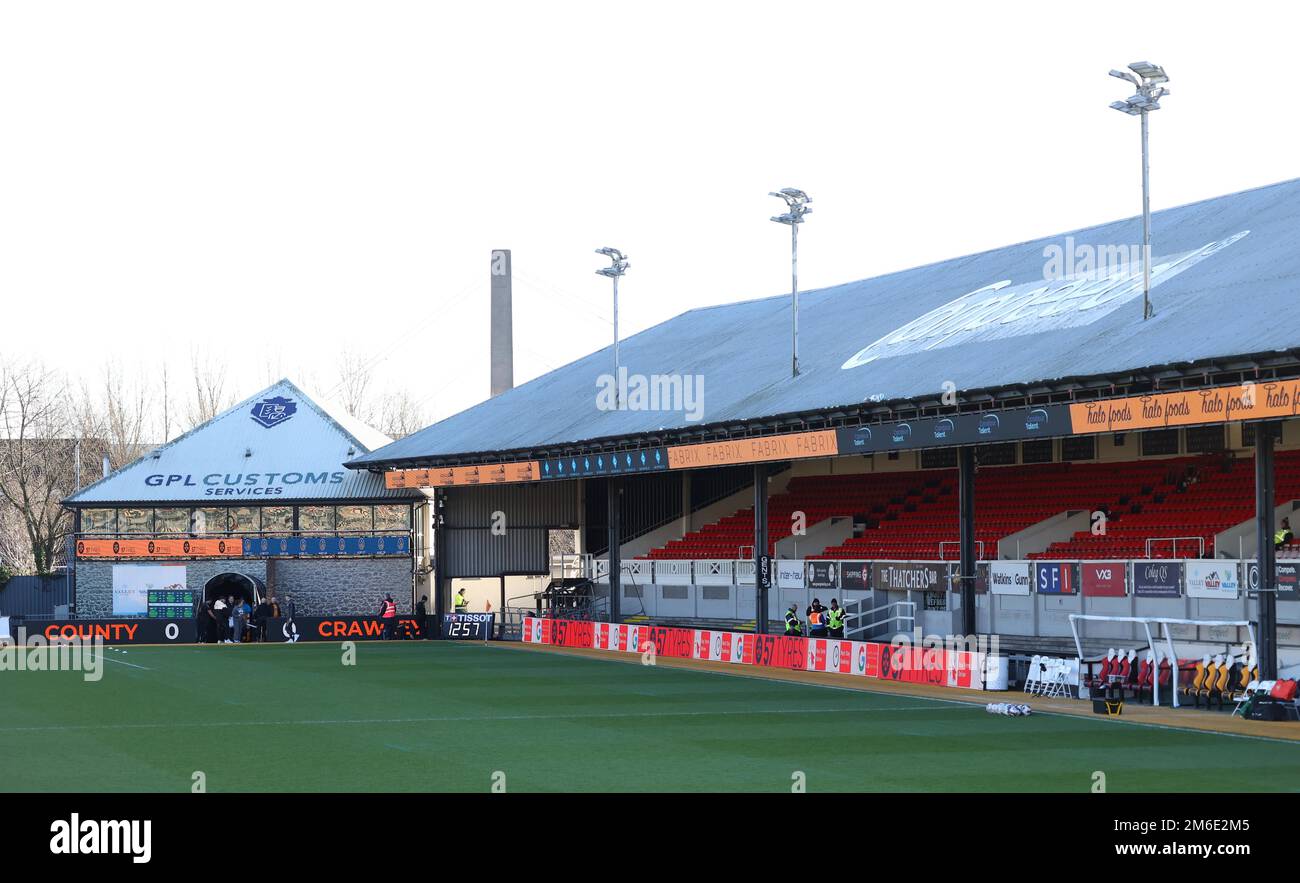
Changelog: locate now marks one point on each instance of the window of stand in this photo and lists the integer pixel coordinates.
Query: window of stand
(316, 518)
(355, 518)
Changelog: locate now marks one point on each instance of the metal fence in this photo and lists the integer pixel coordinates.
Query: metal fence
(34, 595)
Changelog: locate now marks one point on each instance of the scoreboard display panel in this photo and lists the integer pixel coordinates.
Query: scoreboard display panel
(469, 626)
(170, 604)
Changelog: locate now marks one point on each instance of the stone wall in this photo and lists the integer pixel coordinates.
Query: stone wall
(350, 585)
(319, 588)
(95, 580)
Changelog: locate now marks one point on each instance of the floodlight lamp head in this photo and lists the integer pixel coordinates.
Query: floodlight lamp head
(1152, 74)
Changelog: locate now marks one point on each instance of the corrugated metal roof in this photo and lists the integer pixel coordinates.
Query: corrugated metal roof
(279, 446)
(1226, 281)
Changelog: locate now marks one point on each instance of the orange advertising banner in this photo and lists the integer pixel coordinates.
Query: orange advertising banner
(453, 476)
(160, 548)
(1251, 401)
(794, 446)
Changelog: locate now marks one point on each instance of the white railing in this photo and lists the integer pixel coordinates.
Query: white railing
(979, 546)
(1173, 551)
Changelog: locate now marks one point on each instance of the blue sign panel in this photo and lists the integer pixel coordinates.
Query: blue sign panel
(295, 547)
(605, 463)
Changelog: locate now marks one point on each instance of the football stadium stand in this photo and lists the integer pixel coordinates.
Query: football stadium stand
(913, 515)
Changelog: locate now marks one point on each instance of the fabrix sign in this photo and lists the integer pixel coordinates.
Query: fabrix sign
(246, 484)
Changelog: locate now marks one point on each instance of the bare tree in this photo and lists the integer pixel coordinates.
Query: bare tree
(400, 415)
(116, 419)
(37, 448)
(209, 395)
(354, 384)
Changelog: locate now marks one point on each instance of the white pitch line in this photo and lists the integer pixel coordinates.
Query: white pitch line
(122, 662)
(464, 719)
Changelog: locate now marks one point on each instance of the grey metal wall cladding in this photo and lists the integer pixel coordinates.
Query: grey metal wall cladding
(479, 552)
(536, 505)
(33, 595)
(1003, 316)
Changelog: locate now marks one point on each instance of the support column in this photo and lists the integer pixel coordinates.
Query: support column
(1264, 507)
(614, 494)
(441, 584)
(760, 549)
(966, 533)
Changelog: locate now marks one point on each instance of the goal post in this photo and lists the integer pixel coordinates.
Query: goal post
(1163, 622)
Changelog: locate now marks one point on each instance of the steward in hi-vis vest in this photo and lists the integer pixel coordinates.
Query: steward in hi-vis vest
(1283, 535)
(793, 627)
(816, 614)
(835, 619)
(460, 601)
(388, 614)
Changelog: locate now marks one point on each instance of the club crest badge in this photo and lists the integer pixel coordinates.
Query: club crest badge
(274, 411)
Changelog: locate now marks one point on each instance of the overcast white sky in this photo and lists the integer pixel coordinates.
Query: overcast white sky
(277, 182)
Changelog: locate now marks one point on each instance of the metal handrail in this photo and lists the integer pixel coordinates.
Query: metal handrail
(978, 543)
(1173, 552)
(907, 616)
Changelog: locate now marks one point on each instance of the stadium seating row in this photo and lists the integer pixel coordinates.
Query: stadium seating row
(913, 515)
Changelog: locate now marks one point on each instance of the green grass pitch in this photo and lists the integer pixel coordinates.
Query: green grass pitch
(447, 717)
